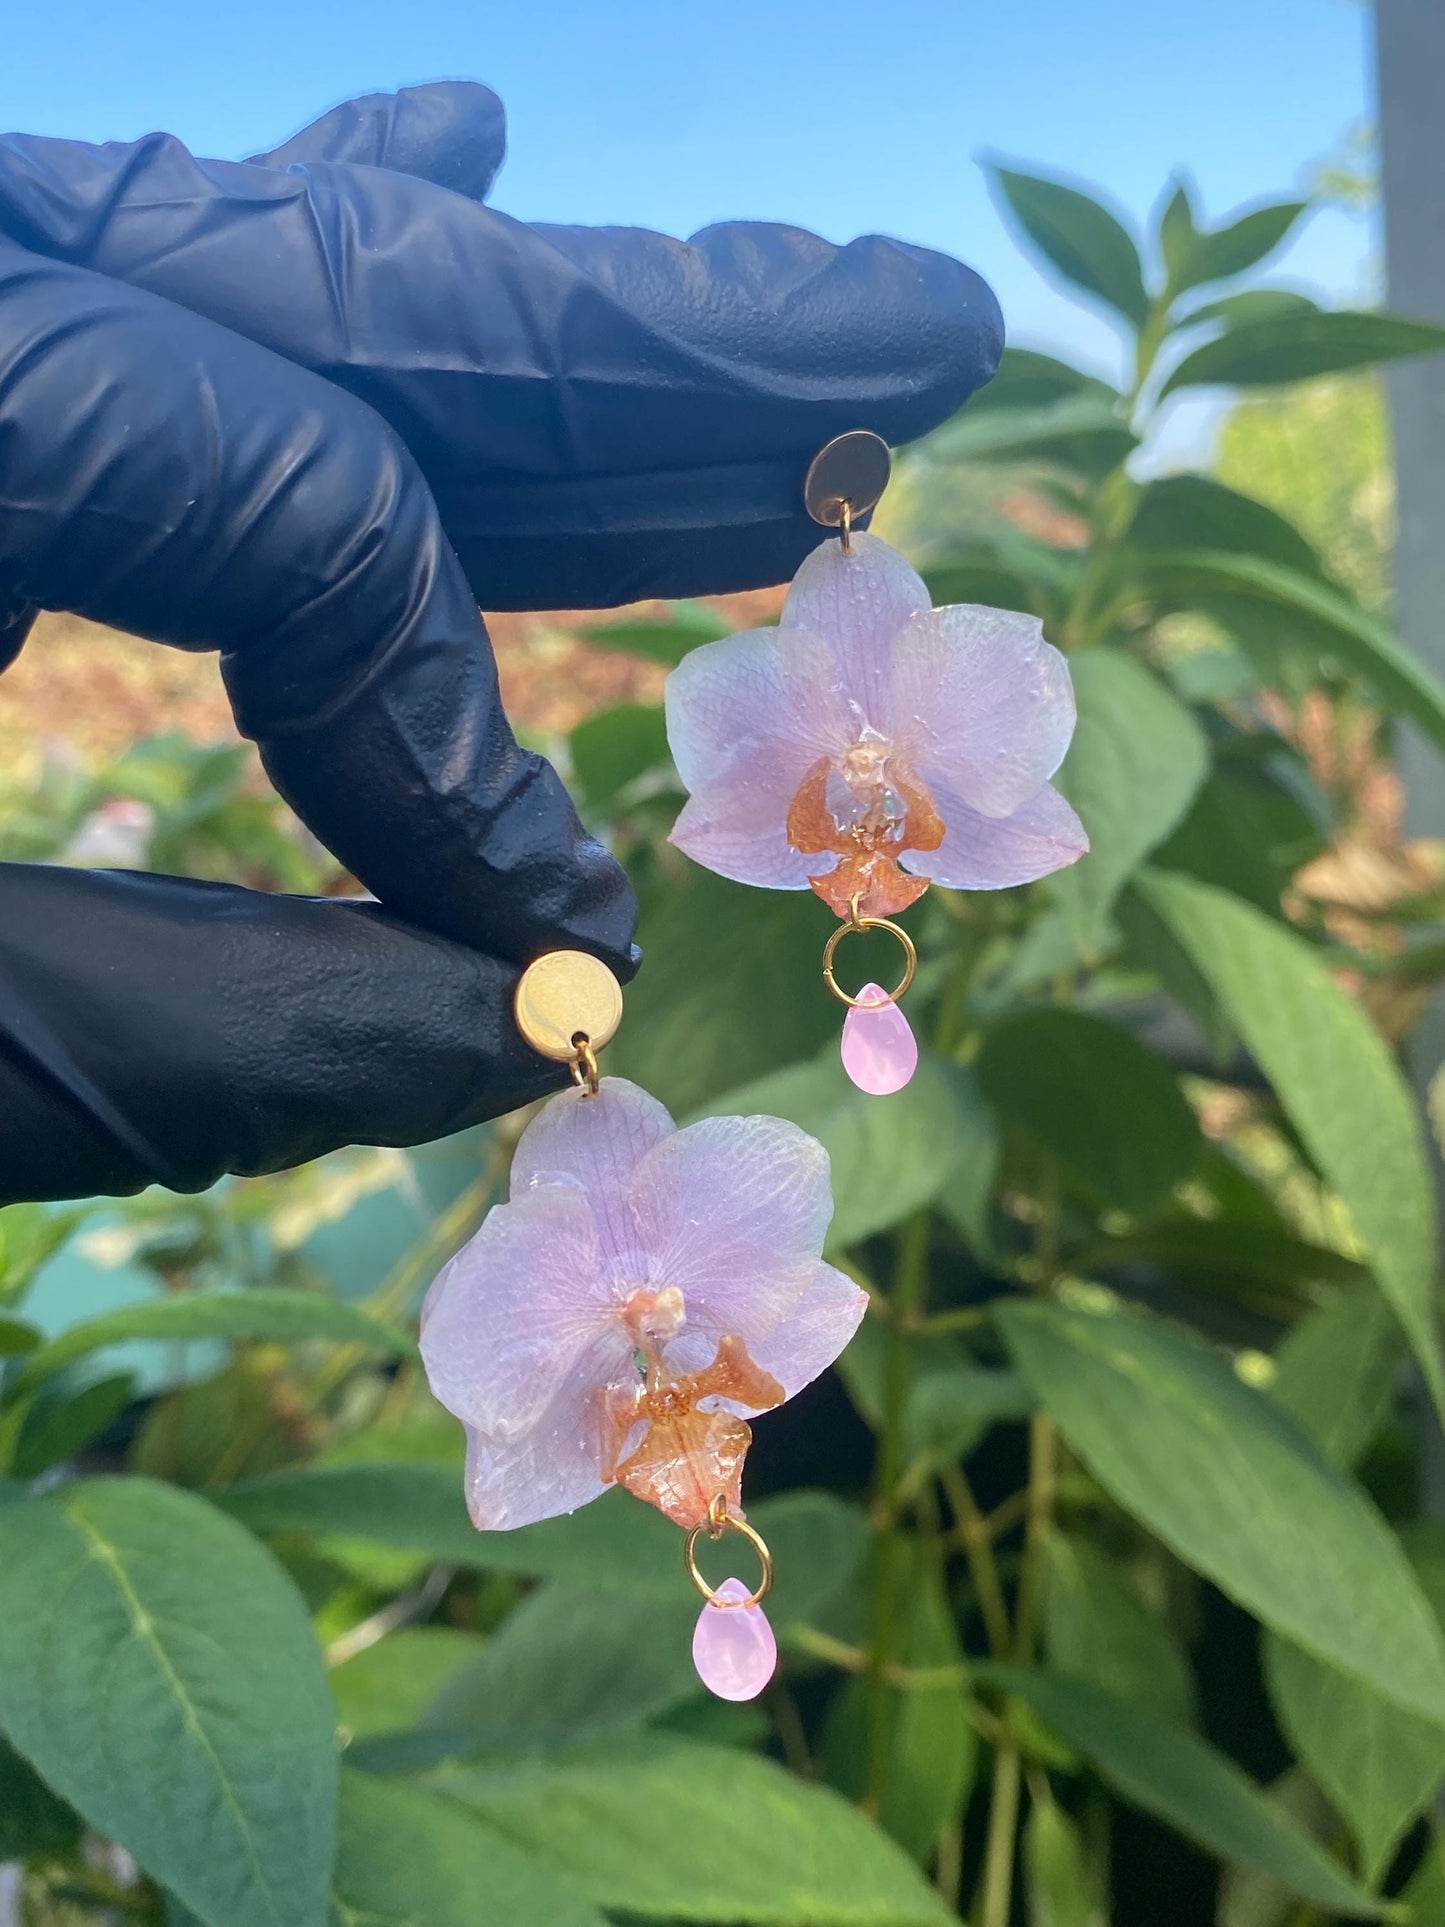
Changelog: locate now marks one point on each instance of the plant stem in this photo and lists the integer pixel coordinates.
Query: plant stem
(909, 1282)
(996, 1889)
(1043, 1476)
(977, 1542)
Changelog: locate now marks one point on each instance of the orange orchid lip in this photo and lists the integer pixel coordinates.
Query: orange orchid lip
(868, 879)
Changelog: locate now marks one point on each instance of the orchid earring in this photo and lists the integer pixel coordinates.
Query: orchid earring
(871, 745)
(644, 1291)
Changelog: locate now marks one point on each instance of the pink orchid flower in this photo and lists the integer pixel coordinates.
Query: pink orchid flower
(642, 1290)
(871, 744)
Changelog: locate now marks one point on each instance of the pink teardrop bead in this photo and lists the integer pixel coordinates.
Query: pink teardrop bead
(733, 1647)
(880, 1052)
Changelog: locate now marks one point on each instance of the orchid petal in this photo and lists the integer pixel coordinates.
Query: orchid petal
(858, 603)
(733, 1212)
(763, 701)
(552, 1468)
(818, 1329)
(738, 828)
(595, 1142)
(994, 852)
(515, 1309)
(983, 705)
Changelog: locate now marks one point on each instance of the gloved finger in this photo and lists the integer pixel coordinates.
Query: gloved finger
(174, 480)
(603, 414)
(155, 1030)
(453, 132)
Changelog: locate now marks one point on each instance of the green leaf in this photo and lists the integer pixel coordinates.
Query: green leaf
(288, 1317)
(1336, 1080)
(1089, 1092)
(159, 1670)
(731, 990)
(1306, 615)
(1246, 833)
(1192, 512)
(1222, 252)
(1088, 245)
(930, 1740)
(613, 749)
(408, 1859)
(29, 1235)
(1297, 347)
(1097, 1628)
(670, 1831)
(1178, 234)
(567, 1662)
(1230, 1483)
(1335, 1372)
(1083, 432)
(390, 1685)
(56, 1429)
(687, 625)
(615, 1545)
(17, 1337)
(1027, 379)
(1136, 763)
(1424, 1898)
(1226, 1255)
(1063, 1886)
(1183, 1781)
(890, 1155)
(1251, 304)
(1379, 1765)
(33, 1820)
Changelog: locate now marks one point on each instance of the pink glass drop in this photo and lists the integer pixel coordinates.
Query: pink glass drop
(733, 1647)
(880, 1052)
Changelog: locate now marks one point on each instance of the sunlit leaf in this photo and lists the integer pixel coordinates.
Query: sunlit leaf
(1230, 1483)
(1096, 1097)
(1088, 245)
(628, 1824)
(1297, 347)
(1336, 1080)
(160, 1672)
(1171, 1773)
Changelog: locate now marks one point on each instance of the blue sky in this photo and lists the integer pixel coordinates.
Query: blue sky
(844, 116)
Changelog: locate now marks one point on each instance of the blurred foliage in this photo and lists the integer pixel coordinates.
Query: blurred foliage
(1104, 1594)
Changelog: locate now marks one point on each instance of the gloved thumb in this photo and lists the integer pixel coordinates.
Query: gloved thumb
(450, 132)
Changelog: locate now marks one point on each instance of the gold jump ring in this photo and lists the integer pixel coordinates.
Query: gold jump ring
(585, 1074)
(718, 1521)
(910, 956)
(845, 524)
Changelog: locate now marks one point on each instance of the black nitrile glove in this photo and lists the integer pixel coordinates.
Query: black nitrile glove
(311, 411)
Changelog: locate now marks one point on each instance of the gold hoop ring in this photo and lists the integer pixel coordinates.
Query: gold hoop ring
(718, 1521)
(910, 957)
(845, 524)
(585, 1074)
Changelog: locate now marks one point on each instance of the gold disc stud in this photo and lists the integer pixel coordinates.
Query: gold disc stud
(846, 478)
(564, 995)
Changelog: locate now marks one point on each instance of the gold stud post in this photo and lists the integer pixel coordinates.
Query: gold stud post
(846, 479)
(568, 1005)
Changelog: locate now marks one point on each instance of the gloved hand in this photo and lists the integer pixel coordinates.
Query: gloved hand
(311, 411)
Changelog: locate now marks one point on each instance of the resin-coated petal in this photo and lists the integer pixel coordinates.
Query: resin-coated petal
(514, 1309)
(880, 1052)
(764, 701)
(551, 1469)
(984, 706)
(738, 828)
(992, 853)
(597, 1142)
(733, 1647)
(816, 1331)
(733, 1211)
(857, 603)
